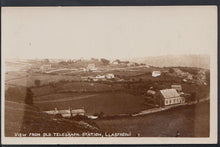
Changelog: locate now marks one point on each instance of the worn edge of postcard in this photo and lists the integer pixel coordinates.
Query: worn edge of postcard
(212, 139)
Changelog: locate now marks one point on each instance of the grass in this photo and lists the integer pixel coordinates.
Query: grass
(190, 121)
(29, 81)
(22, 118)
(111, 103)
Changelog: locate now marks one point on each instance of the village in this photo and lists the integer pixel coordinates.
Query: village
(88, 92)
(155, 97)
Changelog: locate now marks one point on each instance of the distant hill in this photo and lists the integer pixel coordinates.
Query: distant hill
(200, 61)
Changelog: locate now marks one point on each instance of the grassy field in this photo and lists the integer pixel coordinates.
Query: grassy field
(28, 80)
(190, 121)
(22, 118)
(111, 103)
(77, 87)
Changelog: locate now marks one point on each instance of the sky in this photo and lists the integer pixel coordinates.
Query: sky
(108, 32)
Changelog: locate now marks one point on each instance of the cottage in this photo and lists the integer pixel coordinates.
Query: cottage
(66, 113)
(110, 76)
(171, 96)
(100, 77)
(156, 73)
(177, 87)
(151, 92)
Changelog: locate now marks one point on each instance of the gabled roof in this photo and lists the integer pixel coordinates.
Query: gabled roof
(169, 93)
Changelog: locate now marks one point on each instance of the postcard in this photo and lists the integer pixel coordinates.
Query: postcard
(109, 75)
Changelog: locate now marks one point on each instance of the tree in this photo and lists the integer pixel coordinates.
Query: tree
(105, 61)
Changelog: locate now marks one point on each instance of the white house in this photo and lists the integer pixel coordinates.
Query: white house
(100, 77)
(110, 76)
(171, 97)
(156, 73)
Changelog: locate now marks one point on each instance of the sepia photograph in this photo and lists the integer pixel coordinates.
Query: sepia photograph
(140, 74)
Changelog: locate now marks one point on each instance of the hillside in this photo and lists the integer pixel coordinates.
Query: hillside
(200, 61)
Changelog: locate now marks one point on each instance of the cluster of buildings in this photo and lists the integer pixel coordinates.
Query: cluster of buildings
(67, 113)
(185, 75)
(99, 77)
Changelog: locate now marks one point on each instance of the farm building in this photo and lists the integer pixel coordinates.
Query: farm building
(66, 113)
(177, 87)
(110, 76)
(156, 73)
(171, 96)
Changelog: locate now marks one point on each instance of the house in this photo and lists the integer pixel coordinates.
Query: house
(151, 92)
(115, 62)
(124, 62)
(171, 97)
(184, 80)
(110, 76)
(156, 73)
(100, 77)
(66, 113)
(91, 67)
(177, 87)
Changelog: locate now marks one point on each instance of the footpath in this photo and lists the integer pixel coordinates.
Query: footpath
(154, 110)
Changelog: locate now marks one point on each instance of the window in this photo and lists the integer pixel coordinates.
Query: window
(183, 100)
(166, 102)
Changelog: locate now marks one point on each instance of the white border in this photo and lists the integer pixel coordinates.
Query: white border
(125, 140)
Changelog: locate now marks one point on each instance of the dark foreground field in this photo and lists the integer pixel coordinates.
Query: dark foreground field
(190, 121)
